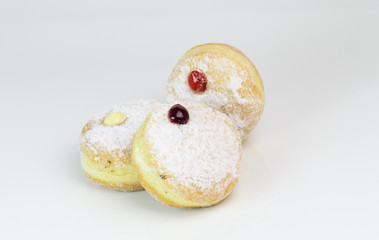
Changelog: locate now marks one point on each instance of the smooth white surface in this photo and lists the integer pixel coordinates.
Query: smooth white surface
(310, 169)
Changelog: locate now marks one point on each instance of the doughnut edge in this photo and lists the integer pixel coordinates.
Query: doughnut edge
(110, 182)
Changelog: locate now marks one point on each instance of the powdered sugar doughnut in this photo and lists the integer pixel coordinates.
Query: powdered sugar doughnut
(187, 155)
(105, 145)
(221, 77)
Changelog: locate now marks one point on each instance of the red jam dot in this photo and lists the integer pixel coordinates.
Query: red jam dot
(197, 81)
(178, 114)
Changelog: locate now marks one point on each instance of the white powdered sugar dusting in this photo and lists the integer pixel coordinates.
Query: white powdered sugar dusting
(218, 96)
(212, 97)
(117, 139)
(201, 155)
(235, 84)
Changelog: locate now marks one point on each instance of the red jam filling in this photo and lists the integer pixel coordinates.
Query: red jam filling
(197, 81)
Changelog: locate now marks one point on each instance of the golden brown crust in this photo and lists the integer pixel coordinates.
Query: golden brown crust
(117, 177)
(118, 187)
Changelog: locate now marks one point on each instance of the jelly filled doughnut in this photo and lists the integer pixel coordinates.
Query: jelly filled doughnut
(105, 145)
(221, 77)
(187, 155)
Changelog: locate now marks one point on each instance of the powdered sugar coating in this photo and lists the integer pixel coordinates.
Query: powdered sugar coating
(213, 97)
(116, 140)
(202, 155)
(229, 88)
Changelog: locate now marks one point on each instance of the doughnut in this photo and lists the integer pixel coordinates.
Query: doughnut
(187, 154)
(105, 145)
(221, 77)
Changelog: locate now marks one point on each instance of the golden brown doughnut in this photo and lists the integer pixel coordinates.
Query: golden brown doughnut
(105, 145)
(187, 164)
(222, 77)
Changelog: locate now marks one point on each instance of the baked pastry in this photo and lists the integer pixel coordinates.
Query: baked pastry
(222, 77)
(187, 155)
(105, 145)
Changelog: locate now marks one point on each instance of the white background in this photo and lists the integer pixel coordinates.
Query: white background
(310, 169)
